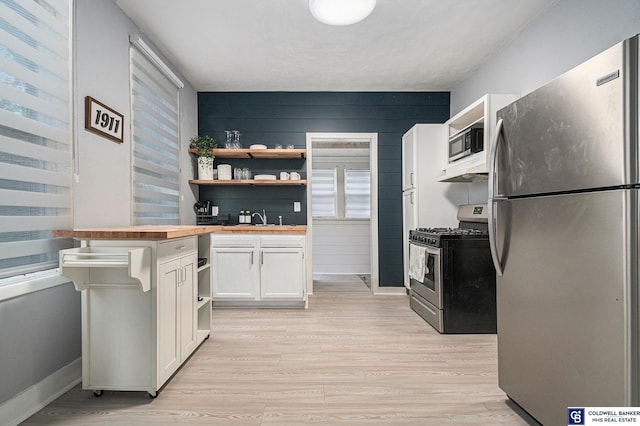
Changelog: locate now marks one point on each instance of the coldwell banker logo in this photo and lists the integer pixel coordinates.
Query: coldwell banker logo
(575, 416)
(590, 416)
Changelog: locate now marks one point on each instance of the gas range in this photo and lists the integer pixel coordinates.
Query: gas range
(451, 274)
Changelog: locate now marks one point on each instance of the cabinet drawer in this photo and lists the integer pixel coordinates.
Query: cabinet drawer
(428, 312)
(282, 241)
(234, 241)
(176, 247)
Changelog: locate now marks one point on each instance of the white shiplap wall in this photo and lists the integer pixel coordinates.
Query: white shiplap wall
(341, 247)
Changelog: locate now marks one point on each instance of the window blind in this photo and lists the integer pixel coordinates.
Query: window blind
(357, 194)
(35, 133)
(323, 193)
(155, 144)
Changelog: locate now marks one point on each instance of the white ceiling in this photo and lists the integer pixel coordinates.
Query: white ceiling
(276, 45)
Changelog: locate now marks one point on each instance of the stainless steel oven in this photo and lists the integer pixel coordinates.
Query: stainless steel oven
(426, 295)
(457, 292)
(431, 286)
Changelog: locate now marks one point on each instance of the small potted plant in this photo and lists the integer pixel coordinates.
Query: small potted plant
(204, 146)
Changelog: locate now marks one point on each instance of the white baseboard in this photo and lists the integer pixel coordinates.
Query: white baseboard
(27, 403)
(317, 275)
(391, 291)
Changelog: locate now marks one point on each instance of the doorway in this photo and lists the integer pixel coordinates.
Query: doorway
(342, 219)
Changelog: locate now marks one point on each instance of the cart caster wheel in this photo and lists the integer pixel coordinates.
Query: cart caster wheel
(98, 393)
(153, 395)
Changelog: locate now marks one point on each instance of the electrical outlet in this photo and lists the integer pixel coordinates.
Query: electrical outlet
(296, 206)
(214, 210)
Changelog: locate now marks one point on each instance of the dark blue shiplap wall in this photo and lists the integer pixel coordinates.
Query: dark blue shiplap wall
(285, 117)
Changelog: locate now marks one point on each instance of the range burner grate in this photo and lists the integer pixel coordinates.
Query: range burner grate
(434, 236)
(452, 231)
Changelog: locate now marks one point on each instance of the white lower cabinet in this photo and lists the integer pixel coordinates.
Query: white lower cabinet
(258, 270)
(233, 267)
(281, 273)
(177, 314)
(144, 310)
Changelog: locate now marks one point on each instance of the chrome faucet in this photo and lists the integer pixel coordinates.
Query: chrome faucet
(263, 216)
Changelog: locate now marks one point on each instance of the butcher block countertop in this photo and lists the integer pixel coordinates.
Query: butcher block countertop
(158, 232)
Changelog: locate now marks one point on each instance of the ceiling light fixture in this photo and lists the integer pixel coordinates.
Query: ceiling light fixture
(341, 12)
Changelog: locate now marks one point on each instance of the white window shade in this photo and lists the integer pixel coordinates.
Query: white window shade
(155, 144)
(35, 134)
(323, 192)
(357, 194)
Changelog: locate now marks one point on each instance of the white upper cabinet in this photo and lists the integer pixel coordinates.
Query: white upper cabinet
(481, 113)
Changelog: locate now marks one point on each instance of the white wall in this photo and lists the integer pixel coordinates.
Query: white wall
(561, 38)
(43, 328)
(341, 247)
(102, 192)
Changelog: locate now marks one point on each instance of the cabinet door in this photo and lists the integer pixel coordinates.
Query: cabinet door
(409, 213)
(233, 272)
(408, 160)
(168, 318)
(188, 297)
(282, 273)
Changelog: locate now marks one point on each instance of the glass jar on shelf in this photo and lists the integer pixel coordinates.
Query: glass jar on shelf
(229, 142)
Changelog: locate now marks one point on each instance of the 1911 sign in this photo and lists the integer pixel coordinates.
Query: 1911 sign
(103, 120)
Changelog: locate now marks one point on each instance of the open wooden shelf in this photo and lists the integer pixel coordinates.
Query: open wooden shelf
(257, 153)
(250, 182)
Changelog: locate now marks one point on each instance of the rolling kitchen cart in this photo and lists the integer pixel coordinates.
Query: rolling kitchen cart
(144, 311)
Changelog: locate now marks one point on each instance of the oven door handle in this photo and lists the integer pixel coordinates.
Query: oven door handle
(493, 198)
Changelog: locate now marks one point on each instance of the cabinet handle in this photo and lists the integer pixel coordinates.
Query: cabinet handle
(261, 258)
(251, 258)
(181, 247)
(411, 179)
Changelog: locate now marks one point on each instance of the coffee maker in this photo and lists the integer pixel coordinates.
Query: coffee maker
(202, 208)
(204, 214)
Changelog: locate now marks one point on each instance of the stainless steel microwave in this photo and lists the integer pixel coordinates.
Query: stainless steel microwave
(466, 143)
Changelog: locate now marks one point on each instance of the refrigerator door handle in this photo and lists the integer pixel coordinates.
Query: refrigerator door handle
(497, 262)
(493, 198)
(493, 158)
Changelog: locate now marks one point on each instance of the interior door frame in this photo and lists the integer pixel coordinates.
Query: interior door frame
(372, 138)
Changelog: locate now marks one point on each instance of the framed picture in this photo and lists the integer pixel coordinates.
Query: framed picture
(103, 120)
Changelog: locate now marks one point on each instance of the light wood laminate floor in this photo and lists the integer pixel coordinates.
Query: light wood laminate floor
(350, 359)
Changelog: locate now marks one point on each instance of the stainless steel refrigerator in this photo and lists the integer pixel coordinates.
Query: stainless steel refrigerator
(563, 198)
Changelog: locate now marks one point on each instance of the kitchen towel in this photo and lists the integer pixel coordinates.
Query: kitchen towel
(417, 262)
